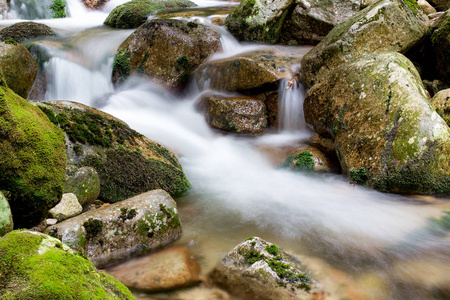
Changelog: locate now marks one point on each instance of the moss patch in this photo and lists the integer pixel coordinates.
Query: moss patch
(58, 8)
(121, 65)
(157, 224)
(359, 175)
(303, 161)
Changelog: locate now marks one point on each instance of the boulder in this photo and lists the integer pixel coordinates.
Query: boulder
(256, 269)
(84, 182)
(388, 25)
(167, 51)
(234, 114)
(24, 31)
(18, 67)
(168, 269)
(117, 232)
(426, 7)
(32, 159)
(127, 163)
(441, 102)
(36, 266)
(258, 20)
(68, 207)
(247, 70)
(94, 4)
(441, 45)
(134, 13)
(6, 221)
(309, 158)
(311, 20)
(386, 133)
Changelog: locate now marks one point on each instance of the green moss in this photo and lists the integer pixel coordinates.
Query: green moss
(127, 214)
(303, 161)
(253, 256)
(122, 65)
(412, 4)
(359, 175)
(287, 276)
(156, 224)
(10, 41)
(272, 249)
(93, 227)
(58, 8)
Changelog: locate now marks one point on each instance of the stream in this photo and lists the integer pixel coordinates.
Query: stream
(360, 243)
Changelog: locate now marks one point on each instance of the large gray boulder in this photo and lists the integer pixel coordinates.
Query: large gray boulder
(116, 232)
(258, 20)
(387, 25)
(387, 134)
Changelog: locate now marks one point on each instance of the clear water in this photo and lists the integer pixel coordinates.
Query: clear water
(237, 191)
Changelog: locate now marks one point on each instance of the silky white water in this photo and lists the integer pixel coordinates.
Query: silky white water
(236, 190)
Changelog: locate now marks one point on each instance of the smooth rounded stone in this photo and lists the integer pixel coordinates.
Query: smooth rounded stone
(168, 269)
(84, 183)
(134, 13)
(51, 222)
(426, 7)
(386, 133)
(441, 102)
(18, 67)
(247, 70)
(68, 207)
(441, 45)
(440, 5)
(129, 228)
(388, 25)
(167, 51)
(24, 31)
(94, 4)
(258, 20)
(310, 158)
(126, 162)
(256, 269)
(6, 220)
(36, 266)
(311, 20)
(234, 113)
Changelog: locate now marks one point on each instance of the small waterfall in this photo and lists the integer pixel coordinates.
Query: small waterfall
(291, 95)
(30, 9)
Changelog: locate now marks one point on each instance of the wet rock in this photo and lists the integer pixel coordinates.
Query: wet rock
(255, 20)
(247, 71)
(24, 31)
(324, 144)
(127, 163)
(167, 51)
(33, 264)
(426, 7)
(311, 20)
(84, 183)
(386, 133)
(134, 13)
(32, 159)
(168, 269)
(256, 269)
(6, 221)
(116, 232)
(440, 5)
(441, 45)
(18, 67)
(200, 293)
(94, 4)
(66, 208)
(309, 158)
(234, 114)
(441, 102)
(382, 22)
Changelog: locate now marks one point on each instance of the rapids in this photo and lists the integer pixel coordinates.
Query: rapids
(237, 191)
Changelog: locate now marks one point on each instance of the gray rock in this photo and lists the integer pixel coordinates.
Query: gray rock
(6, 221)
(388, 25)
(51, 222)
(66, 208)
(84, 183)
(116, 232)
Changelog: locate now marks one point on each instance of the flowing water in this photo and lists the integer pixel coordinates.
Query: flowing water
(381, 244)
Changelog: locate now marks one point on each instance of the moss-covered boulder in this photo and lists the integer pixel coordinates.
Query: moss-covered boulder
(84, 182)
(234, 114)
(248, 70)
(24, 31)
(134, 13)
(32, 159)
(36, 266)
(167, 51)
(258, 20)
(256, 269)
(127, 163)
(309, 158)
(310, 21)
(441, 44)
(6, 221)
(387, 134)
(441, 102)
(388, 25)
(18, 67)
(116, 232)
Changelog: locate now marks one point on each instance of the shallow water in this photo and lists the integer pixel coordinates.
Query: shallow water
(377, 241)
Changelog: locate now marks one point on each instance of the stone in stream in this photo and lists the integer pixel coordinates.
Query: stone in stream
(117, 232)
(6, 221)
(310, 158)
(36, 266)
(172, 268)
(256, 269)
(66, 208)
(167, 51)
(127, 163)
(84, 182)
(386, 132)
(388, 25)
(24, 31)
(234, 114)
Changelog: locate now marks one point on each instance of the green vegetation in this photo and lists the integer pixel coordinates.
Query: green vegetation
(122, 65)
(93, 227)
(158, 223)
(58, 8)
(127, 214)
(273, 249)
(303, 161)
(359, 175)
(412, 4)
